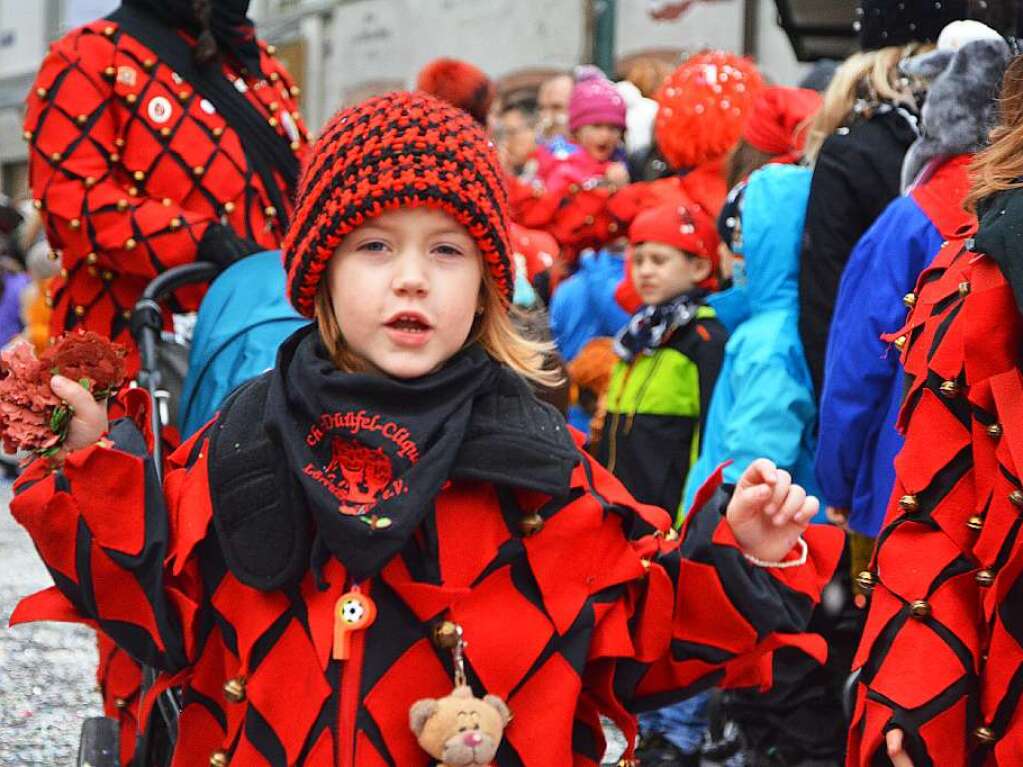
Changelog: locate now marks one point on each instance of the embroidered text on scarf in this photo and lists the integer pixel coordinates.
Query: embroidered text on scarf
(371, 453)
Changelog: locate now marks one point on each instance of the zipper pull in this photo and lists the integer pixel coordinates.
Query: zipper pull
(354, 611)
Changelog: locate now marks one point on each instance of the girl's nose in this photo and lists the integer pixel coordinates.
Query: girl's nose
(409, 277)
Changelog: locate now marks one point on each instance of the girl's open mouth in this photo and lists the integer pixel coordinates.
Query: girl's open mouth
(409, 324)
(409, 329)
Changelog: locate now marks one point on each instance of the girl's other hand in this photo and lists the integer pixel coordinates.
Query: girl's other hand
(896, 752)
(768, 513)
(89, 422)
(838, 517)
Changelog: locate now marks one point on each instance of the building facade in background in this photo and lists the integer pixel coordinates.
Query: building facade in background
(340, 51)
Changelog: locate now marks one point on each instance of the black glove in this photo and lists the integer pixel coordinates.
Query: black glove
(221, 246)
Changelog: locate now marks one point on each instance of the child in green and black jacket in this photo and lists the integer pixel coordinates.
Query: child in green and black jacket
(670, 354)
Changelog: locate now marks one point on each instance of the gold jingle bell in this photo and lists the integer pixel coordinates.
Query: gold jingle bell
(909, 503)
(975, 522)
(219, 759)
(920, 609)
(909, 300)
(949, 389)
(985, 735)
(994, 430)
(900, 343)
(866, 580)
(1016, 497)
(445, 635)
(234, 690)
(531, 524)
(984, 578)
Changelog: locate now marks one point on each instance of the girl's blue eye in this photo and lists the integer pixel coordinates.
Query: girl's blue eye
(373, 245)
(447, 250)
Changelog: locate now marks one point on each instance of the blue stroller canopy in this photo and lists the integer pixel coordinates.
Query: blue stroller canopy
(243, 319)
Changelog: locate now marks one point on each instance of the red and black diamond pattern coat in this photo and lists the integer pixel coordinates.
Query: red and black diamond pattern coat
(129, 165)
(579, 617)
(942, 652)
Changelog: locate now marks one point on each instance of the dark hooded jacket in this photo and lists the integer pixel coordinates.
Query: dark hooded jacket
(856, 175)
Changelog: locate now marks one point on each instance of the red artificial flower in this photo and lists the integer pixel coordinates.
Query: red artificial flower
(32, 417)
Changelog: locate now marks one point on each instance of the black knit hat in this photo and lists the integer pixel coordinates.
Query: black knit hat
(882, 23)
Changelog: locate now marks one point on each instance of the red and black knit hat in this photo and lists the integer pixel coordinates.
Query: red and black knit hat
(402, 150)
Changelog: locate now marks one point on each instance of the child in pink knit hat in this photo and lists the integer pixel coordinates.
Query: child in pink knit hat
(596, 121)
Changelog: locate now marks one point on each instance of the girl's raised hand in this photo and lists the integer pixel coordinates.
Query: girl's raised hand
(768, 512)
(89, 422)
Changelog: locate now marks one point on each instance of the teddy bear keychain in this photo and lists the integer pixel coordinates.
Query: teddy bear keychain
(460, 730)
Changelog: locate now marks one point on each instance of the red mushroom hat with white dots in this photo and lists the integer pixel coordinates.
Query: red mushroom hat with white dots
(703, 105)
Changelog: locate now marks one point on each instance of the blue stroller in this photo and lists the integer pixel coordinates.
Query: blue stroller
(242, 321)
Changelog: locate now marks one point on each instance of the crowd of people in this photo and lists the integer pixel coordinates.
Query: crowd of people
(694, 267)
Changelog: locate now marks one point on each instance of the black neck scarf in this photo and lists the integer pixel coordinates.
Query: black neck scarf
(372, 452)
(652, 326)
(231, 27)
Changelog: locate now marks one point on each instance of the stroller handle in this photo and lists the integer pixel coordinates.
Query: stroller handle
(146, 325)
(147, 316)
(167, 282)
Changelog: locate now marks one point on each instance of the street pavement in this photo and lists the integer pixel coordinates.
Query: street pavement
(47, 670)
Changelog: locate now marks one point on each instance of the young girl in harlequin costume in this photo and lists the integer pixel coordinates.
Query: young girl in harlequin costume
(395, 459)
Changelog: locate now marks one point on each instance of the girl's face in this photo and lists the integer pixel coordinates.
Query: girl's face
(599, 141)
(405, 289)
(662, 272)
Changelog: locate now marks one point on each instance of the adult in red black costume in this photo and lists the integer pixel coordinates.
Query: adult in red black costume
(942, 655)
(163, 134)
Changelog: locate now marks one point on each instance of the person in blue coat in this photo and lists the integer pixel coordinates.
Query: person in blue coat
(583, 308)
(863, 388)
(763, 402)
(857, 442)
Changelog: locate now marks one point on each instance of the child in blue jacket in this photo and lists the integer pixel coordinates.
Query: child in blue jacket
(763, 403)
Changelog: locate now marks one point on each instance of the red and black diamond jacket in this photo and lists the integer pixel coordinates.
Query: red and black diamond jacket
(942, 652)
(570, 608)
(128, 165)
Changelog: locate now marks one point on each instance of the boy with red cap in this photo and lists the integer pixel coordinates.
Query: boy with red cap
(670, 353)
(656, 404)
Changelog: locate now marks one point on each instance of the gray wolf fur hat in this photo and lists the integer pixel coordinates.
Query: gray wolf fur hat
(965, 74)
